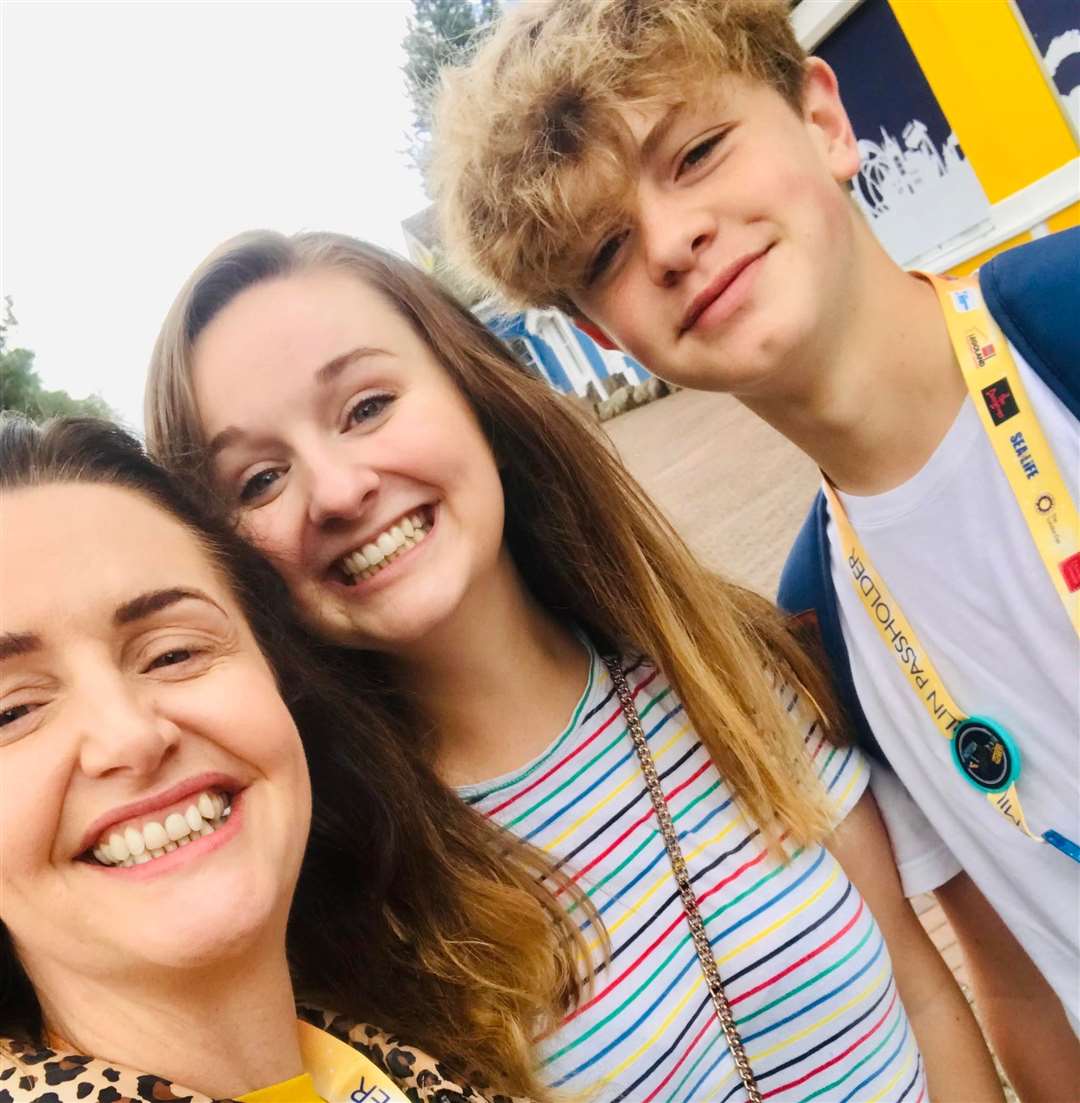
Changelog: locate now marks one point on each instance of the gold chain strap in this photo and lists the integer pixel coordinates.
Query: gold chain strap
(682, 879)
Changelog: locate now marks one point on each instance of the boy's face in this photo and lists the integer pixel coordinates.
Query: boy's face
(736, 264)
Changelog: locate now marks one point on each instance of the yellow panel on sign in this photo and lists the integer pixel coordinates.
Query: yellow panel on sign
(1064, 219)
(990, 86)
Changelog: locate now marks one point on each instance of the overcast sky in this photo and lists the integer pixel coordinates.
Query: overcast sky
(137, 136)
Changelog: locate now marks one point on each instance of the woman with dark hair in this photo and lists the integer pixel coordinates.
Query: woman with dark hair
(560, 661)
(155, 716)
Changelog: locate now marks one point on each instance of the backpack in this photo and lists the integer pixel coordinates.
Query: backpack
(1033, 293)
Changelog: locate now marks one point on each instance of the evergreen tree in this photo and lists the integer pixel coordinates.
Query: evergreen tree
(441, 32)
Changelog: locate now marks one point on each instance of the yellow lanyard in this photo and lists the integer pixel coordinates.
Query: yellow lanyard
(982, 750)
(336, 1073)
(994, 384)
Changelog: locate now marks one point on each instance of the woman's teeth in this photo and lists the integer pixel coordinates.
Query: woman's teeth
(386, 547)
(135, 846)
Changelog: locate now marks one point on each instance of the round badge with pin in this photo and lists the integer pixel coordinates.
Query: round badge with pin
(986, 754)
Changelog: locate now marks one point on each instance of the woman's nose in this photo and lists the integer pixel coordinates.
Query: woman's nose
(122, 730)
(338, 488)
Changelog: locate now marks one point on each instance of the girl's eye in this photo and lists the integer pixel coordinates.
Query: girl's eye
(16, 712)
(368, 408)
(605, 255)
(699, 153)
(258, 484)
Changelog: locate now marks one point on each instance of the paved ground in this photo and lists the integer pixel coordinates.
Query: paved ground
(737, 492)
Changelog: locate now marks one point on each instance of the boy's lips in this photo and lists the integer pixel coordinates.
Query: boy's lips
(717, 287)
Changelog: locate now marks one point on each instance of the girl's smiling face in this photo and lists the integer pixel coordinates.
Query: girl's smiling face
(350, 457)
(154, 796)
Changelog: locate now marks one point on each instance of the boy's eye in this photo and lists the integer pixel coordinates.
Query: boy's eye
(604, 257)
(258, 484)
(699, 153)
(368, 408)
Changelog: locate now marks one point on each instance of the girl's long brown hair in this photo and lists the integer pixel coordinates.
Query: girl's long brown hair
(595, 551)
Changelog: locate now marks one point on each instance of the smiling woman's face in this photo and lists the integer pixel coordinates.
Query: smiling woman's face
(154, 797)
(351, 458)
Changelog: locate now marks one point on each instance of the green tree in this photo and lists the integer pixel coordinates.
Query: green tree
(440, 33)
(21, 389)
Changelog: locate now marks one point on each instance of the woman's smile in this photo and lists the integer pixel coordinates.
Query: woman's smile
(375, 556)
(379, 471)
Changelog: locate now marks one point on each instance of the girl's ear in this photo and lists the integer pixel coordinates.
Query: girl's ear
(596, 333)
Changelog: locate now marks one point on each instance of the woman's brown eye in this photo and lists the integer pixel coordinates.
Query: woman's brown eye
(9, 716)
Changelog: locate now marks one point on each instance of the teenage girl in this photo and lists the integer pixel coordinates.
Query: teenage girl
(575, 675)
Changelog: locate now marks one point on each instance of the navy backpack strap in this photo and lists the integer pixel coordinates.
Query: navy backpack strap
(1033, 292)
(806, 587)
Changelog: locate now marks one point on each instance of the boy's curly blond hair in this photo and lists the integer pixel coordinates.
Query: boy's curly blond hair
(533, 164)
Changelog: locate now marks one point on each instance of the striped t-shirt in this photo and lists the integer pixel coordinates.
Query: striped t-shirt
(804, 964)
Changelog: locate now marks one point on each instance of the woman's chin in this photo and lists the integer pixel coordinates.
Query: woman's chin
(211, 936)
(390, 622)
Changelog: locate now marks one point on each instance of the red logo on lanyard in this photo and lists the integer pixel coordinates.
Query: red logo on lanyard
(1000, 401)
(1070, 569)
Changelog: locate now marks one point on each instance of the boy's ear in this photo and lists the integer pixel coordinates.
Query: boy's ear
(591, 329)
(824, 113)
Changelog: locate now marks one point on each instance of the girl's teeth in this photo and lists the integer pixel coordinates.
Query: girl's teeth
(133, 846)
(387, 546)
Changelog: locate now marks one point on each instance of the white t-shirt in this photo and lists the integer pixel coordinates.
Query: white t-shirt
(960, 561)
(803, 962)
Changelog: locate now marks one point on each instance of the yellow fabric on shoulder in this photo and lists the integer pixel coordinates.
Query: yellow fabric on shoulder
(334, 1073)
(299, 1089)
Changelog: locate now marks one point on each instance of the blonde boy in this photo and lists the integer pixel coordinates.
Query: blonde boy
(672, 173)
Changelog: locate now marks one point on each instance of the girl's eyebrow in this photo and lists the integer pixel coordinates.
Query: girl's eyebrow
(231, 434)
(334, 368)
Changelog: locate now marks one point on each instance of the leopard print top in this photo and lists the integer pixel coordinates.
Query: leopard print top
(32, 1074)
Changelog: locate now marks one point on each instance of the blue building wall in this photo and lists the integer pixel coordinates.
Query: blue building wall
(547, 359)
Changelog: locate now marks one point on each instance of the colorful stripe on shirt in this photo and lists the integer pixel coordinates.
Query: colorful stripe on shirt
(804, 964)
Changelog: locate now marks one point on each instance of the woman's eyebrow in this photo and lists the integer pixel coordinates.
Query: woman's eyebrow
(154, 601)
(231, 435)
(333, 368)
(18, 643)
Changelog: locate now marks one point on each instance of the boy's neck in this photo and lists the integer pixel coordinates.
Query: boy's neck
(884, 392)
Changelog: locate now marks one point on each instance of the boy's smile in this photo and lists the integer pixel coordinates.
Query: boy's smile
(733, 264)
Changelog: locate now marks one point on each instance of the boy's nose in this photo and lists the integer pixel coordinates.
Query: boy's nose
(672, 240)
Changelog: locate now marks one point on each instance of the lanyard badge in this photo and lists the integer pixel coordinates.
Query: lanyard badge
(983, 751)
